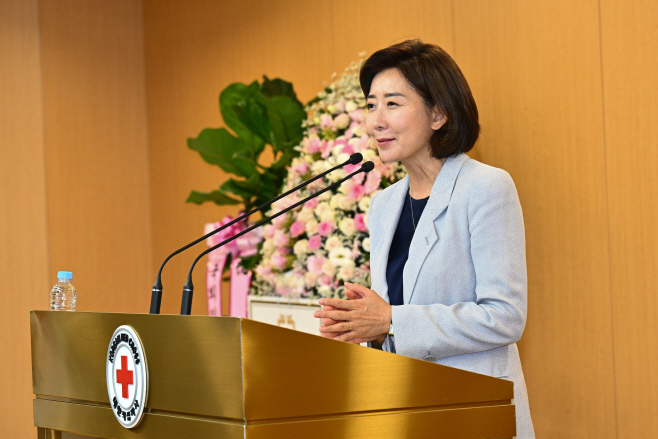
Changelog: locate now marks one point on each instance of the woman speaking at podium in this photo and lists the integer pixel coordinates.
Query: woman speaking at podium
(447, 244)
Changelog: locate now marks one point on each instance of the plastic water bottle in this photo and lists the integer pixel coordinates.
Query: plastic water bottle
(63, 294)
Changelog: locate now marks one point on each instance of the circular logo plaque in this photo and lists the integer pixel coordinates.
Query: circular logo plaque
(126, 376)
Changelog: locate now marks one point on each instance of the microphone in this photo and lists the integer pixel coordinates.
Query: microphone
(156, 292)
(188, 289)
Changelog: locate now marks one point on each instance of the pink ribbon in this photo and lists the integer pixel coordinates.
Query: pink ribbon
(246, 245)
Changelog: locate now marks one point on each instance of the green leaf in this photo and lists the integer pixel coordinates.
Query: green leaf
(278, 87)
(243, 188)
(285, 116)
(219, 147)
(215, 196)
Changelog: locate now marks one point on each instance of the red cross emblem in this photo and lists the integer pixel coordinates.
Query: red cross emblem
(124, 376)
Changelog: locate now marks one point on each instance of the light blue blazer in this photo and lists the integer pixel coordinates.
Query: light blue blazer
(465, 282)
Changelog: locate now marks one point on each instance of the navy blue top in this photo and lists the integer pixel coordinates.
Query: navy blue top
(399, 252)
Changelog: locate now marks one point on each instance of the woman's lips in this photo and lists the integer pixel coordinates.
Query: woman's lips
(384, 141)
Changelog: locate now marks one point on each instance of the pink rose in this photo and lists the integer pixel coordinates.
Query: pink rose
(314, 264)
(356, 191)
(359, 223)
(312, 203)
(325, 228)
(278, 261)
(325, 280)
(314, 242)
(297, 229)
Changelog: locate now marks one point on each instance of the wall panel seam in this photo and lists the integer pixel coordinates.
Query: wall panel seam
(607, 208)
(44, 150)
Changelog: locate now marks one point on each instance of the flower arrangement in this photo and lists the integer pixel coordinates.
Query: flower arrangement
(311, 251)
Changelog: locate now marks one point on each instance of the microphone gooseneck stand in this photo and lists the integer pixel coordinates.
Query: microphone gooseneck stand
(156, 292)
(188, 289)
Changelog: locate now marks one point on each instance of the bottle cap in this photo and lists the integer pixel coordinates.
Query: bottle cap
(64, 275)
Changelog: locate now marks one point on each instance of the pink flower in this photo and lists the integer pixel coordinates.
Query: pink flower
(356, 191)
(325, 280)
(359, 223)
(358, 115)
(350, 131)
(373, 181)
(326, 121)
(297, 229)
(347, 149)
(351, 168)
(312, 144)
(314, 242)
(342, 121)
(268, 231)
(300, 167)
(314, 264)
(312, 203)
(325, 148)
(281, 239)
(325, 228)
(278, 261)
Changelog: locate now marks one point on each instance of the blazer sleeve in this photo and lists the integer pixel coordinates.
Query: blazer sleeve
(497, 316)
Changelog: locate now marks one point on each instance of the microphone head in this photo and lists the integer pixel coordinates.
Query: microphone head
(355, 158)
(367, 167)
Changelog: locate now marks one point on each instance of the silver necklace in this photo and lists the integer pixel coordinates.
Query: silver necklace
(413, 220)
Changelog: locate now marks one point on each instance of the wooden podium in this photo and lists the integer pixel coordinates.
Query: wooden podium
(223, 377)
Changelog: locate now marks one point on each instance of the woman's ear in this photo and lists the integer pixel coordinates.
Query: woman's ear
(438, 118)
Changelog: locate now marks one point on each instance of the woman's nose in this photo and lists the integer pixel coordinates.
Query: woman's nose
(378, 121)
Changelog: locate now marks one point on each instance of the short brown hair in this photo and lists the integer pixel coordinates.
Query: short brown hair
(434, 75)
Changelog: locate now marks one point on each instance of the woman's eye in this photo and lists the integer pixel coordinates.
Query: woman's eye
(370, 106)
(392, 104)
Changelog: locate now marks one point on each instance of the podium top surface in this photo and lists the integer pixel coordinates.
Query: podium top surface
(239, 369)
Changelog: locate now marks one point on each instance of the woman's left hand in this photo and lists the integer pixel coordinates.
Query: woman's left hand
(366, 318)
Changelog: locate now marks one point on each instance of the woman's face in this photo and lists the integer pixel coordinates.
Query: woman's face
(398, 119)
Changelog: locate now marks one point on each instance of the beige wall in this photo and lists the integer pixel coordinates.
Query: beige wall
(74, 171)
(98, 99)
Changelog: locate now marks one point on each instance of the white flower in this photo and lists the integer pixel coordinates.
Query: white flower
(351, 106)
(322, 208)
(341, 257)
(364, 203)
(300, 248)
(311, 227)
(347, 226)
(347, 203)
(328, 216)
(268, 247)
(369, 154)
(333, 242)
(346, 273)
(366, 244)
(335, 200)
(328, 268)
(325, 291)
(305, 215)
(324, 196)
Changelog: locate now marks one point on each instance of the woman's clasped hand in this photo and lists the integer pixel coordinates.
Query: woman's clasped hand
(365, 317)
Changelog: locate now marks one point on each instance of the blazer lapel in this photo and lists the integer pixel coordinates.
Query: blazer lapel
(426, 235)
(388, 222)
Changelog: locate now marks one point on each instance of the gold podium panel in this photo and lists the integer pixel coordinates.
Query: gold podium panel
(223, 377)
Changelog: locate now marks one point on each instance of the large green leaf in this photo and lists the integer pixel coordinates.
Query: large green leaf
(278, 87)
(243, 188)
(285, 116)
(214, 196)
(237, 103)
(219, 147)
